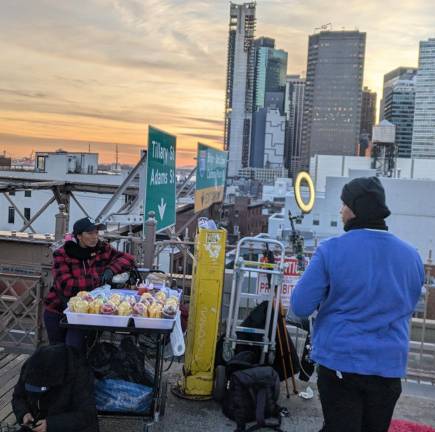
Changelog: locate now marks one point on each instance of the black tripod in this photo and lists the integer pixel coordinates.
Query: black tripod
(297, 241)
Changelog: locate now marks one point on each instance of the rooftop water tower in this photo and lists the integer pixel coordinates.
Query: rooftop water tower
(384, 151)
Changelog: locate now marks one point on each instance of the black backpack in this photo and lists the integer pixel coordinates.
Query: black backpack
(252, 396)
(256, 319)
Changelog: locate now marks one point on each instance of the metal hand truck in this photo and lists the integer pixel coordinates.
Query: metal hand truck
(244, 268)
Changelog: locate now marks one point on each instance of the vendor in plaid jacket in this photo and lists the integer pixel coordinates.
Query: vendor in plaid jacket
(81, 264)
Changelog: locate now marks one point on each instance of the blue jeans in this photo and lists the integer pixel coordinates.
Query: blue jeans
(58, 335)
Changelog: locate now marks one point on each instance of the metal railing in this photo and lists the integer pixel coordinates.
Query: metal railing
(173, 256)
(421, 360)
(21, 297)
(21, 310)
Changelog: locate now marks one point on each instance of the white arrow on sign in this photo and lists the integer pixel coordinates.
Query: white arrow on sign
(162, 208)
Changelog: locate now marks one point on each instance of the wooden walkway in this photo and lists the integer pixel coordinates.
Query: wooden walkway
(10, 366)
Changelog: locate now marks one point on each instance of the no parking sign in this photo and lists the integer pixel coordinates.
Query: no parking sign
(290, 279)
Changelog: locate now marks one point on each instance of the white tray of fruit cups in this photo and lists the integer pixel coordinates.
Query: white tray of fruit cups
(114, 308)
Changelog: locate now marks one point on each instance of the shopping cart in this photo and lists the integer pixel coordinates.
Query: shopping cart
(159, 339)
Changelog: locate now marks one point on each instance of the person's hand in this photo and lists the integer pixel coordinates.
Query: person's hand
(41, 426)
(28, 418)
(107, 276)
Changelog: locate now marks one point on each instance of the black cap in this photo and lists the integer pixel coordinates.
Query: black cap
(85, 225)
(365, 196)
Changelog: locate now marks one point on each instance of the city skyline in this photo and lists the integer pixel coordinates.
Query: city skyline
(100, 71)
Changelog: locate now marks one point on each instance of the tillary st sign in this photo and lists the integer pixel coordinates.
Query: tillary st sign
(161, 182)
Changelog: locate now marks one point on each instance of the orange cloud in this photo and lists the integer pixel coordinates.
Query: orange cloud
(101, 71)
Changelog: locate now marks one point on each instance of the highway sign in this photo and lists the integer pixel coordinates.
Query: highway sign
(211, 172)
(160, 188)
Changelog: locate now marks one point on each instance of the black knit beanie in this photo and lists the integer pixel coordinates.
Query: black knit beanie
(365, 196)
(47, 366)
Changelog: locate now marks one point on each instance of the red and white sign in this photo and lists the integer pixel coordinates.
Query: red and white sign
(290, 278)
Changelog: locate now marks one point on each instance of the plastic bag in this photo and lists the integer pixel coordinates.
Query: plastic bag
(129, 364)
(177, 338)
(126, 362)
(100, 359)
(122, 396)
(206, 223)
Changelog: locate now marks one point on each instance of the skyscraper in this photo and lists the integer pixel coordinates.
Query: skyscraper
(268, 138)
(398, 102)
(332, 104)
(240, 85)
(368, 119)
(294, 110)
(274, 139)
(258, 138)
(270, 70)
(268, 121)
(423, 136)
(368, 111)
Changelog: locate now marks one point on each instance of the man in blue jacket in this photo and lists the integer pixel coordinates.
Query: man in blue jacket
(365, 285)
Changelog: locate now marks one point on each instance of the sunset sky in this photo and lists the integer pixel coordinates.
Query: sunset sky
(76, 73)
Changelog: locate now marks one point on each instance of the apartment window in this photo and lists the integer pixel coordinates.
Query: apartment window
(27, 193)
(316, 220)
(27, 213)
(11, 193)
(40, 163)
(11, 215)
(334, 223)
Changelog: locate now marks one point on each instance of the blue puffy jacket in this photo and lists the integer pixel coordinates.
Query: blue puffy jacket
(366, 284)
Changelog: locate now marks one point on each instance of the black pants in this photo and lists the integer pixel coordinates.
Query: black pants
(357, 403)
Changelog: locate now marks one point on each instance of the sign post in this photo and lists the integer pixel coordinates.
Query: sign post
(210, 176)
(160, 188)
(204, 313)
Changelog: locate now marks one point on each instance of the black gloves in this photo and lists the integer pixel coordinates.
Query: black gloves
(107, 276)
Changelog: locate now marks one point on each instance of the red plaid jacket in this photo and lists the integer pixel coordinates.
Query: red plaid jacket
(71, 274)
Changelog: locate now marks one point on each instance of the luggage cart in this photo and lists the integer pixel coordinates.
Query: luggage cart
(161, 337)
(244, 268)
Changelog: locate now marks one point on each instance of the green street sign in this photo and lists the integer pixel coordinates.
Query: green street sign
(211, 171)
(160, 188)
